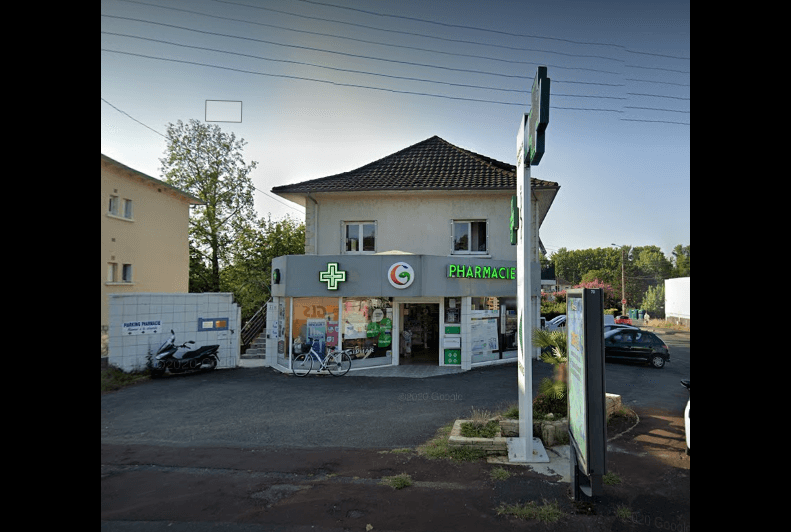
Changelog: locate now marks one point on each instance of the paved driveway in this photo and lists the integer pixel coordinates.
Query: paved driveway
(259, 407)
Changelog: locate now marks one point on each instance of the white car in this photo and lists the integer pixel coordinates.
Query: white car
(685, 384)
(556, 322)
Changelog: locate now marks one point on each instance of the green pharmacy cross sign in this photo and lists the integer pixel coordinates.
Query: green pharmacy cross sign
(539, 117)
(332, 276)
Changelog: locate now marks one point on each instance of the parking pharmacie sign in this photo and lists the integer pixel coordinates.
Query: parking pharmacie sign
(141, 327)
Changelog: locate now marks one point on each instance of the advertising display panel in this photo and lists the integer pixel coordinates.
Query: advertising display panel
(586, 389)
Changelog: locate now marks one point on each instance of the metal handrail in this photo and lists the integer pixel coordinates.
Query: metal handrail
(253, 327)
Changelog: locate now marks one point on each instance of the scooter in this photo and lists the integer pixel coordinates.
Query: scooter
(166, 358)
(685, 383)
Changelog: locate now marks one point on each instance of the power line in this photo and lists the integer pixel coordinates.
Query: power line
(383, 59)
(407, 78)
(313, 49)
(274, 198)
(662, 82)
(477, 28)
(339, 84)
(289, 61)
(419, 34)
(516, 48)
(655, 109)
(656, 96)
(133, 118)
(161, 135)
(654, 121)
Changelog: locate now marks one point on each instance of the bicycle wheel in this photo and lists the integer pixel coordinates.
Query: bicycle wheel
(340, 365)
(302, 365)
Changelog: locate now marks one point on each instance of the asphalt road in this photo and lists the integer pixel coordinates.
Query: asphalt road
(259, 407)
(252, 449)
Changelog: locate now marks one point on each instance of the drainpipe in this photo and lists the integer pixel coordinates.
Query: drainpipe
(315, 225)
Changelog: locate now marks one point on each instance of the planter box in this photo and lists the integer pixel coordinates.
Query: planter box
(551, 432)
(492, 446)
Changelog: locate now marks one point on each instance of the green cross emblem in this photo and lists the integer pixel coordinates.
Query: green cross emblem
(332, 276)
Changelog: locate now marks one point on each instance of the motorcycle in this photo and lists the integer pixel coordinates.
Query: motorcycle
(685, 383)
(168, 358)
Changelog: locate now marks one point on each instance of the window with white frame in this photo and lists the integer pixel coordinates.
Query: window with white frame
(128, 209)
(112, 272)
(469, 237)
(126, 275)
(359, 237)
(113, 209)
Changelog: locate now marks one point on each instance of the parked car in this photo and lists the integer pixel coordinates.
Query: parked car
(626, 320)
(612, 326)
(556, 322)
(636, 345)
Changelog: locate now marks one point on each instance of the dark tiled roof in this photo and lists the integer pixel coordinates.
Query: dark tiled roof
(433, 164)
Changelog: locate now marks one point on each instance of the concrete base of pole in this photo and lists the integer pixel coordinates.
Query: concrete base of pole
(518, 449)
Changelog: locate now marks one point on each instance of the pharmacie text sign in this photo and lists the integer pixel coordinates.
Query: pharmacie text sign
(480, 272)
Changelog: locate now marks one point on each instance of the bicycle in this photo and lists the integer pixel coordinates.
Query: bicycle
(337, 362)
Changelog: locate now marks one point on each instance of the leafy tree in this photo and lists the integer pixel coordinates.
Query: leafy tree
(572, 265)
(654, 301)
(611, 298)
(251, 255)
(681, 266)
(200, 273)
(207, 163)
(650, 261)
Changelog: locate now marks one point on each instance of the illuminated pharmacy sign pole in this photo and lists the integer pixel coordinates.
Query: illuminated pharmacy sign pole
(529, 149)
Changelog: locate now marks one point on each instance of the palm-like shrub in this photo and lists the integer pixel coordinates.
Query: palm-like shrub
(554, 351)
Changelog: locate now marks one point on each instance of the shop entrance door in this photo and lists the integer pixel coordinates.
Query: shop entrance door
(420, 338)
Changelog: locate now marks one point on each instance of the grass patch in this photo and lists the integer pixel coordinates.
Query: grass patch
(510, 412)
(397, 481)
(547, 512)
(114, 378)
(437, 447)
(611, 479)
(499, 473)
(623, 512)
(475, 429)
(663, 324)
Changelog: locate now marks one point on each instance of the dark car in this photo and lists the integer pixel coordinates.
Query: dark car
(636, 345)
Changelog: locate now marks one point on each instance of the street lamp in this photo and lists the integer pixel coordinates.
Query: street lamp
(623, 285)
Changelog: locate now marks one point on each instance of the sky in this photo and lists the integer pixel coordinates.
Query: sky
(327, 86)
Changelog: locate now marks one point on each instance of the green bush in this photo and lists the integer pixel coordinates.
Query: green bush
(544, 404)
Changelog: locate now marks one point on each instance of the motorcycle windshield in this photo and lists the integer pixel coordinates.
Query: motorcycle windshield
(166, 345)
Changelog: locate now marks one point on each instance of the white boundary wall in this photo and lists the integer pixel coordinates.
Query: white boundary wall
(196, 317)
(677, 299)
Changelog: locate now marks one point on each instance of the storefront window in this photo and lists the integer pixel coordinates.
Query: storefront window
(368, 330)
(493, 325)
(315, 322)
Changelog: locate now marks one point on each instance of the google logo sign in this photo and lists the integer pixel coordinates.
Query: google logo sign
(401, 275)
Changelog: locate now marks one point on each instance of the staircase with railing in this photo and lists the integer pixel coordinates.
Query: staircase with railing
(253, 335)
